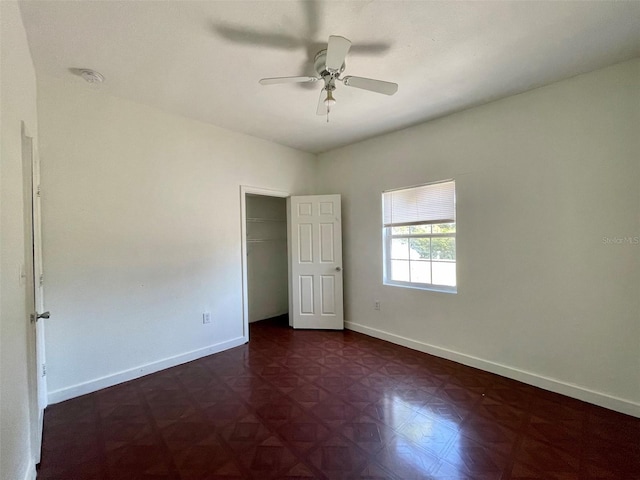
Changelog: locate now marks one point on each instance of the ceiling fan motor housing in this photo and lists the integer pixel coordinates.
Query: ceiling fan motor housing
(319, 64)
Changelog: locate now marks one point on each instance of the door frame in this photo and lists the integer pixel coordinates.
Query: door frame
(244, 190)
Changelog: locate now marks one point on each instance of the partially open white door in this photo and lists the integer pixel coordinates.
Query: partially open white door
(315, 262)
(35, 280)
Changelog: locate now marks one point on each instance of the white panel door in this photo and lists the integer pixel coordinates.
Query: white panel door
(315, 262)
(35, 277)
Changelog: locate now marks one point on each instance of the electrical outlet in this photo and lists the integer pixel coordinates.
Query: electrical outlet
(206, 317)
(377, 305)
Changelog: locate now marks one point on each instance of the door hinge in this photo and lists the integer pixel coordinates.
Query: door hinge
(41, 279)
(44, 370)
(38, 191)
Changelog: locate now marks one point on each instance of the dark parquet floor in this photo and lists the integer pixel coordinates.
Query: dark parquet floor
(332, 405)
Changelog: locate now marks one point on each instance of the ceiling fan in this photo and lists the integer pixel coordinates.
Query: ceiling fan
(329, 64)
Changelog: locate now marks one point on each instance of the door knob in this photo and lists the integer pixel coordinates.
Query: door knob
(36, 316)
(338, 269)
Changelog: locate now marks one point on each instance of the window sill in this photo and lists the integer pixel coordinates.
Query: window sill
(417, 286)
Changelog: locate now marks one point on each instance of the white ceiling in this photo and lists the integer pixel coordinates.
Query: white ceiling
(203, 59)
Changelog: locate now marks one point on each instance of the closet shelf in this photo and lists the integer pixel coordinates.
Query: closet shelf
(262, 240)
(265, 220)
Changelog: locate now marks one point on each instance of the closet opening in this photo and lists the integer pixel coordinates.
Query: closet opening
(265, 269)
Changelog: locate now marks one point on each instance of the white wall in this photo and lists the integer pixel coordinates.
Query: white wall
(141, 233)
(541, 178)
(18, 100)
(267, 273)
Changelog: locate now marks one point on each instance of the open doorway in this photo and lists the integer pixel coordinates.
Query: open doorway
(265, 264)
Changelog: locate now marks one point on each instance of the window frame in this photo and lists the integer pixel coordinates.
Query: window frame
(388, 236)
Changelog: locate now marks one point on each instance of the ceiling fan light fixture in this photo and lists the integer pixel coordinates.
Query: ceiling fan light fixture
(329, 101)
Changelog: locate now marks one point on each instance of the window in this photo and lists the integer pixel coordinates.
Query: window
(420, 236)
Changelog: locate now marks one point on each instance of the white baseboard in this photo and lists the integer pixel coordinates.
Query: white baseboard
(575, 391)
(140, 371)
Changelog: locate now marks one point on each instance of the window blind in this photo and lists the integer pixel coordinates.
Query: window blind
(434, 203)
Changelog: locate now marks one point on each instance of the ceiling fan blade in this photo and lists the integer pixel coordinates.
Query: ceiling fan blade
(337, 50)
(375, 48)
(322, 108)
(258, 38)
(370, 84)
(276, 80)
